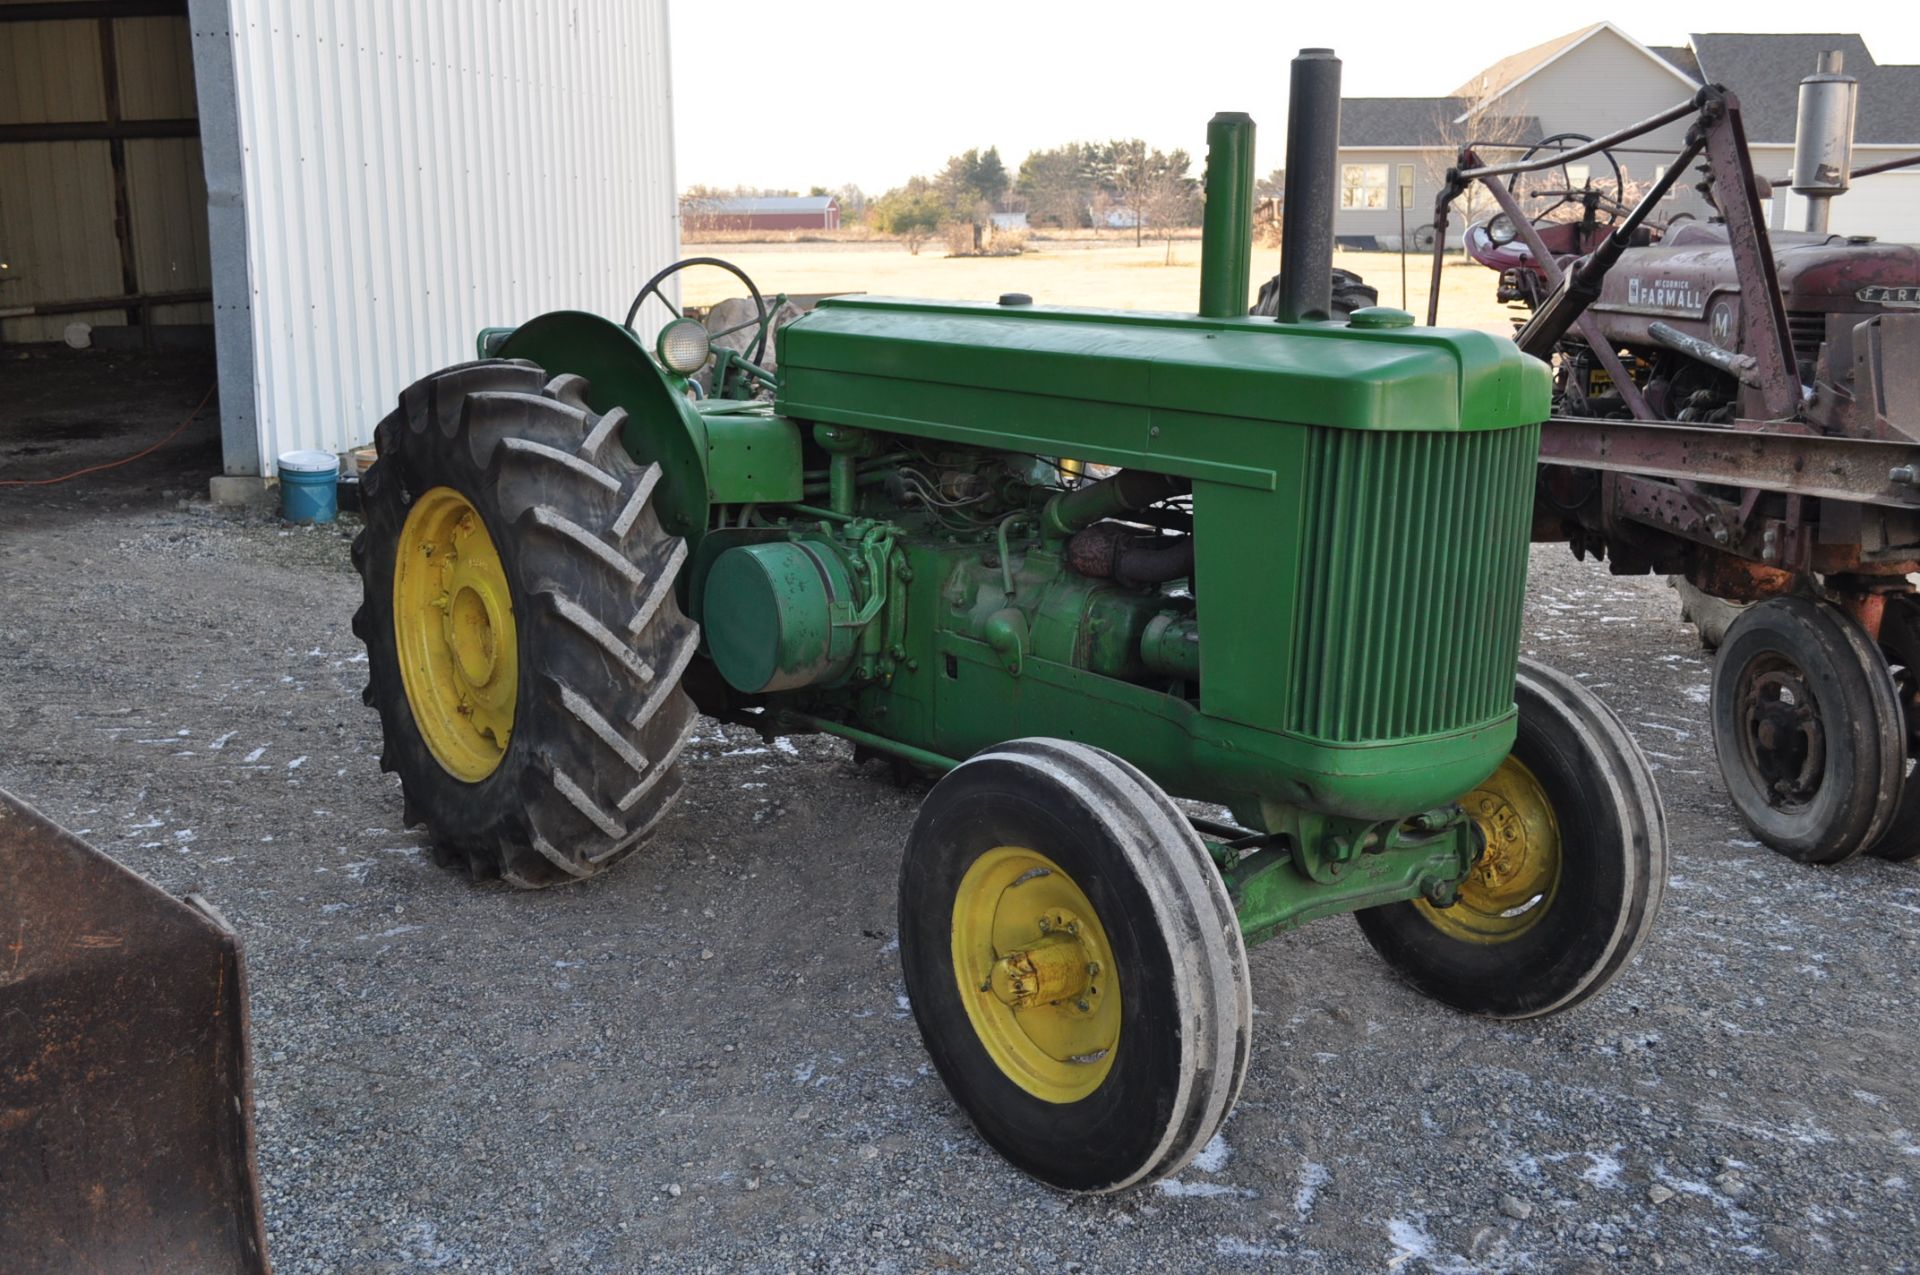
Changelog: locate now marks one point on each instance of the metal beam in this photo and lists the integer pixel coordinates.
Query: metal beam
(117, 154)
(1854, 469)
(138, 300)
(97, 130)
(90, 10)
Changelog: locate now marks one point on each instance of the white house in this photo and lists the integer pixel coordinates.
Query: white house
(1394, 151)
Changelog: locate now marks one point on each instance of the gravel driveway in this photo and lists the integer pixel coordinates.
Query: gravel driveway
(704, 1062)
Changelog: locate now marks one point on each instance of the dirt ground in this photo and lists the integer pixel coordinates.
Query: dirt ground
(1098, 273)
(703, 1061)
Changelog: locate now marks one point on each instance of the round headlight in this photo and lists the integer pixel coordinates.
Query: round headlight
(684, 346)
(1501, 229)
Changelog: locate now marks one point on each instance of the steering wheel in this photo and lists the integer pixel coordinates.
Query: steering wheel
(651, 288)
(1557, 183)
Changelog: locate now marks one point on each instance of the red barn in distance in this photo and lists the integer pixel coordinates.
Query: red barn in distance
(762, 212)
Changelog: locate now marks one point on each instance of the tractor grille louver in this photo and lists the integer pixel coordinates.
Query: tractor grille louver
(1414, 577)
(1806, 329)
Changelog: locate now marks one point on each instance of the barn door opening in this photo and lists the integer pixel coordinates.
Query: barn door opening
(106, 300)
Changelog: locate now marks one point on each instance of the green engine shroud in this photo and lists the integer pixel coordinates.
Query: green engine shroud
(1361, 506)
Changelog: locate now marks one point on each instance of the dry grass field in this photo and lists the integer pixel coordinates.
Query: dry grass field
(1099, 273)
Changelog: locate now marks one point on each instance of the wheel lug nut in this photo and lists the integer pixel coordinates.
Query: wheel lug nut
(1082, 1005)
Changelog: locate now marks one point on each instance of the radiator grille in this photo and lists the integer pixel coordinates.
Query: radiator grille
(1807, 329)
(1414, 575)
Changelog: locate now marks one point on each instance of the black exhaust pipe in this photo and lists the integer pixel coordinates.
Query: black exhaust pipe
(1313, 171)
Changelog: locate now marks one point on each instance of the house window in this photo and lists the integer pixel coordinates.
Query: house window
(1577, 175)
(1363, 185)
(1406, 185)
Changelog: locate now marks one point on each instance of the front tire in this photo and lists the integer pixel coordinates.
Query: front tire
(1572, 876)
(1807, 730)
(1074, 964)
(523, 640)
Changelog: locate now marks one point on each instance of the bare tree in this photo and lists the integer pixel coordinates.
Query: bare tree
(853, 204)
(1473, 121)
(1169, 199)
(699, 206)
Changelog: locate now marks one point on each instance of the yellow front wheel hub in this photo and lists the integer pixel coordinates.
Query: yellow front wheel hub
(1036, 974)
(1513, 884)
(453, 628)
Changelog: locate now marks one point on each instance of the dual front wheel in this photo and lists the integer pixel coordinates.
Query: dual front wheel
(1076, 967)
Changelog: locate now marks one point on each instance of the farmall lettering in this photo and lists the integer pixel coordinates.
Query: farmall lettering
(1669, 296)
(1893, 298)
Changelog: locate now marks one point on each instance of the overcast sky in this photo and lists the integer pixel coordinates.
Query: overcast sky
(794, 93)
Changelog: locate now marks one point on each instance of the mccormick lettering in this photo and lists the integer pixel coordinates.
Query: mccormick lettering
(1678, 295)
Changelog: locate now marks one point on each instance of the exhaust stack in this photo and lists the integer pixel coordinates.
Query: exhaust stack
(1313, 159)
(1823, 136)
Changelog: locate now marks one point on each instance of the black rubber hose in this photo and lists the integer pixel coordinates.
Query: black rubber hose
(1154, 561)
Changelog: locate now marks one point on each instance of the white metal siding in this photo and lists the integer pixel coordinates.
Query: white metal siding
(413, 173)
(1886, 206)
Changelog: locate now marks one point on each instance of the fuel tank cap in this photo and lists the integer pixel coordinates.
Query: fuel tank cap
(1379, 316)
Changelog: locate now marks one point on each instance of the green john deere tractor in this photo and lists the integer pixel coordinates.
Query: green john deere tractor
(900, 539)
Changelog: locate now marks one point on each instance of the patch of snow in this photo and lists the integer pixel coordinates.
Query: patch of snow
(1313, 1176)
(1602, 1170)
(1213, 1157)
(1232, 1246)
(1202, 1190)
(1409, 1240)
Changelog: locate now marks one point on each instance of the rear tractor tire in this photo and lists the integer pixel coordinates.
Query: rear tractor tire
(1572, 875)
(524, 643)
(1808, 730)
(1074, 964)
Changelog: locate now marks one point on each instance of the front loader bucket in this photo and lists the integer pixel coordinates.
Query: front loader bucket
(126, 1116)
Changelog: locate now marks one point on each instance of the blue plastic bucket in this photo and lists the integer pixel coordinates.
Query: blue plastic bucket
(309, 486)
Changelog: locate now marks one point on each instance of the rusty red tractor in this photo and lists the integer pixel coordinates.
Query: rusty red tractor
(1739, 408)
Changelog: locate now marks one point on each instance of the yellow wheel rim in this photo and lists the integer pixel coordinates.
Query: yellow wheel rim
(453, 627)
(1513, 884)
(1036, 974)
